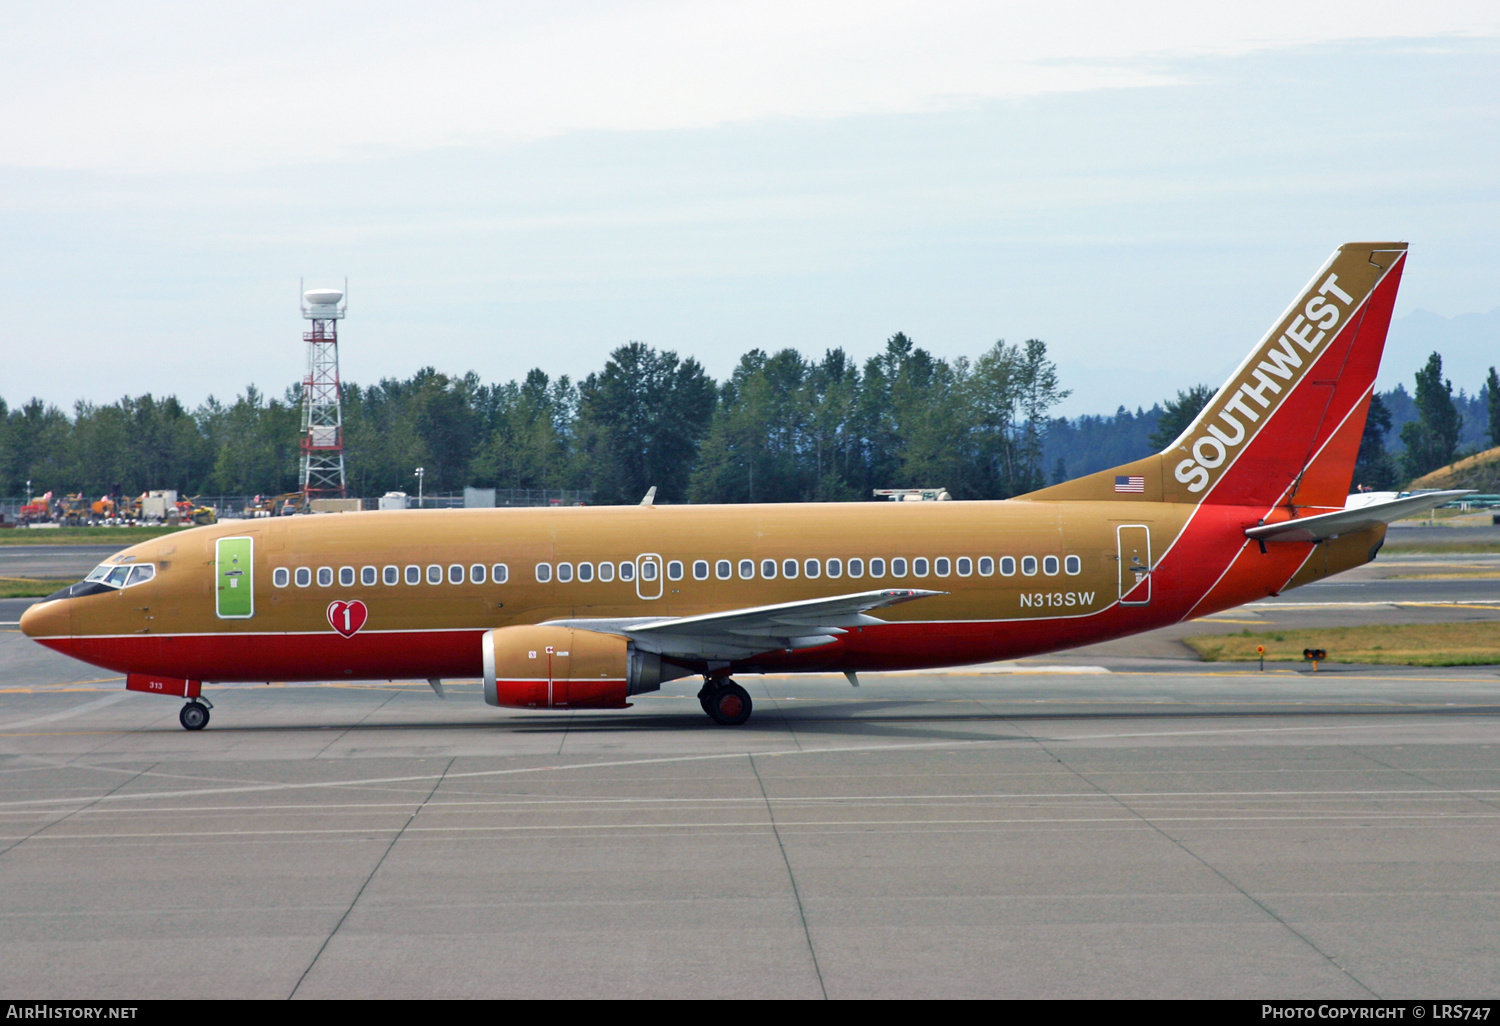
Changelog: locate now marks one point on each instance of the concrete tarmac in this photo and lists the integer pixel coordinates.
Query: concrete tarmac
(1115, 821)
(1114, 828)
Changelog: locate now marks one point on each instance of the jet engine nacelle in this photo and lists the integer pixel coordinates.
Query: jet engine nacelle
(567, 668)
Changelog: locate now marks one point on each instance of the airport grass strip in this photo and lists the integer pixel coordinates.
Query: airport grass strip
(1427, 644)
(122, 536)
(1439, 547)
(32, 587)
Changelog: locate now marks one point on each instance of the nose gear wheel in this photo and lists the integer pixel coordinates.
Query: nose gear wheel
(194, 716)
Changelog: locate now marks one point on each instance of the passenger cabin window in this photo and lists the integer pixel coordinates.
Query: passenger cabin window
(500, 573)
(325, 576)
(280, 577)
(627, 571)
(789, 568)
(1050, 566)
(564, 572)
(747, 569)
(606, 572)
(369, 575)
(304, 576)
(1073, 565)
(413, 575)
(585, 572)
(391, 575)
(835, 567)
(648, 570)
(965, 566)
(700, 569)
(346, 577)
(919, 567)
(768, 569)
(1008, 565)
(810, 568)
(434, 574)
(477, 573)
(456, 573)
(543, 572)
(877, 567)
(986, 566)
(898, 567)
(723, 569)
(674, 570)
(856, 568)
(1028, 566)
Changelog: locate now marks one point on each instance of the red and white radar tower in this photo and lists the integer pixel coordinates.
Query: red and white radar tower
(322, 415)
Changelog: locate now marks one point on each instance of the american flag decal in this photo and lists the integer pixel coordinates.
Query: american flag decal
(1130, 484)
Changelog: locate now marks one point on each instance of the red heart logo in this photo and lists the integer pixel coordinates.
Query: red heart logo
(347, 617)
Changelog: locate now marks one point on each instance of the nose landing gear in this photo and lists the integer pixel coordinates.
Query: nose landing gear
(194, 715)
(726, 703)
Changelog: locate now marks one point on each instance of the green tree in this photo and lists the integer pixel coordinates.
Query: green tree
(1039, 393)
(529, 443)
(1011, 392)
(38, 449)
(756, 449)
(1492, 403)
(640, 422)
(255, 442)
(1432, 439)
(834, 445)
(1373, 468)
(1178, 414)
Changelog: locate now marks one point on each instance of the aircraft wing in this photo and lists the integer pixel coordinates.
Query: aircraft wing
(1331, 525)
(736, 633)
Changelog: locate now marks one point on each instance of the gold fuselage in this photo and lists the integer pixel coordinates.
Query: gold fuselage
(978, 616)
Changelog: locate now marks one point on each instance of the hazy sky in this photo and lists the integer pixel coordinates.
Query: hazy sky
(518, 185)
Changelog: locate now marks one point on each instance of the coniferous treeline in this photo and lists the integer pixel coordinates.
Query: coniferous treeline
(781, 428)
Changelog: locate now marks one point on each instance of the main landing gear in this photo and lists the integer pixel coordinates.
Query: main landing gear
(726, 703)
(194, 715)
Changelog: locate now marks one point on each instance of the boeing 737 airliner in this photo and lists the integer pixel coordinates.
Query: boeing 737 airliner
(587, 607)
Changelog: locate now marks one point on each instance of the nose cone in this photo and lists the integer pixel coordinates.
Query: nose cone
(50, 619)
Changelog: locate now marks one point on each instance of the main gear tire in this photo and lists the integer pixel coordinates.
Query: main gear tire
(729, 705)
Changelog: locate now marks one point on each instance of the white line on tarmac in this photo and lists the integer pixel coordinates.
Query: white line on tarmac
(1267, 604)
(1104, 819)
(669, 759)
(523, 804)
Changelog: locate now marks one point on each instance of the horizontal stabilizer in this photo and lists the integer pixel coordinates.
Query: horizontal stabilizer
(1346, 521)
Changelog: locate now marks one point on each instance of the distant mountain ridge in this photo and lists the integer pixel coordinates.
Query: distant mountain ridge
(1469, 344)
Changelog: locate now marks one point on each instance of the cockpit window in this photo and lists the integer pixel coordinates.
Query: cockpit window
(112, 576)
